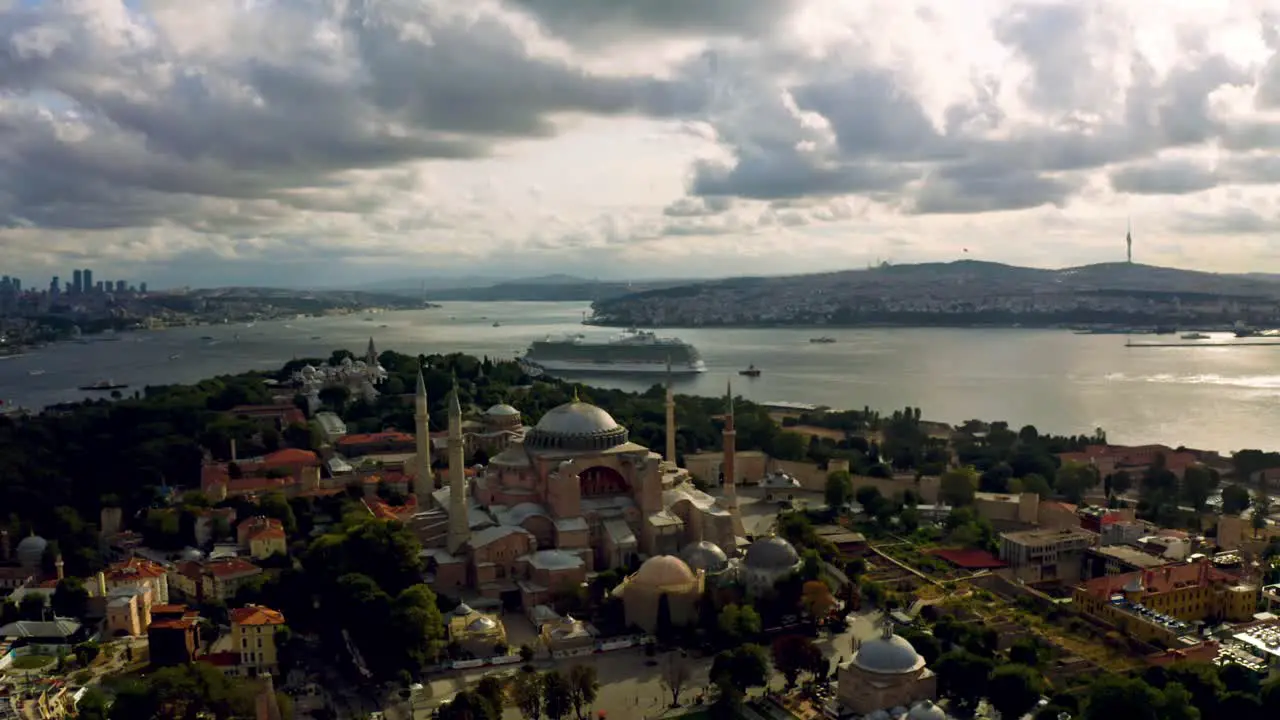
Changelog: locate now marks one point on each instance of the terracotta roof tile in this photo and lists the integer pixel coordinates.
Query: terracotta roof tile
(256, 615)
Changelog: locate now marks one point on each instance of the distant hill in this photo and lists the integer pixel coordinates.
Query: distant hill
(966, 292)
(549, 288)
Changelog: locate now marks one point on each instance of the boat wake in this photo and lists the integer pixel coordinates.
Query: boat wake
(1251, 382)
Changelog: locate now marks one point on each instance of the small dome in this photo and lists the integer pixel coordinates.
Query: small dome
(926, 710)
(30, 551)
(309, 370)
(890, 655)
(705, 556)
(191, 554)
(482, 624)
(663, 571)
(462, 610)
(501, 410)
(771, 553)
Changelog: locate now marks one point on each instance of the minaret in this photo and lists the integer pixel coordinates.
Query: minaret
(730, 490)
(459, 526)
(423, 482)
(671, 418)
(57, 564)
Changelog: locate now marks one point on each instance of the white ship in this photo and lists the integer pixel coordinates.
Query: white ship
(632, 352)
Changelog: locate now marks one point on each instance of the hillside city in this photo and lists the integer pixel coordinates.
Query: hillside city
(397, 537)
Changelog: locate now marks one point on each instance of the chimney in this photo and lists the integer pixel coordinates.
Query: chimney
(233, 449)
(5, 548)
(57, 564)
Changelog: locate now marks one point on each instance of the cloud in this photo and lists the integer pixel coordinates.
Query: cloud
(433, 133)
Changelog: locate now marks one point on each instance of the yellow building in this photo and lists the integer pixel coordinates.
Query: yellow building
(253, 636)
(480, 634)
(262, 537)
(1159, 604)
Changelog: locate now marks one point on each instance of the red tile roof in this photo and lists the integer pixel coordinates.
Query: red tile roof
(133, 568)
(173, 624)
(286, 414)
(969, 559)
(290, 456)
(222, 659)
(1158, 580)
(231, 567)
(391, 436)
(256, 615)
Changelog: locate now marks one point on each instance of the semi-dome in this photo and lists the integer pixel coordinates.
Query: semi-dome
(576, 426)
(463, 610)
(771, 553)
(926, 710)
(888, 655)
(663, 571)
(482, 624)
(705, 556)
(501, 410)
(30, 551)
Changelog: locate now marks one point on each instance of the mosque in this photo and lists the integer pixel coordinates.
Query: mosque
(886, 679)
(569, 496)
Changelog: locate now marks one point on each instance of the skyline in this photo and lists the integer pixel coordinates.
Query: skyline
(211, 147)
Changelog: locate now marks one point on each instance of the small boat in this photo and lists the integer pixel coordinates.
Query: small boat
(1195, 336)
(382, 326)
(824, 340)
(1247, 333)
(751, 371)
(206, 337)
(315, 337)
(104, 385)
(497, 324)
(175, 356)
(34, 373)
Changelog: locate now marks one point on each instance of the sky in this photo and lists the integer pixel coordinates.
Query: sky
(323, 142)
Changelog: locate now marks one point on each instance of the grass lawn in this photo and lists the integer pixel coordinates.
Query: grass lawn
(31, 662)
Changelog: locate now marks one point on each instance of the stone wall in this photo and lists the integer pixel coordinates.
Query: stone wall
(814, 478)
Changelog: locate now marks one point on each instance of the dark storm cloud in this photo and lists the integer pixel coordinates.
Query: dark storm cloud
(1168, 177)
(605, 20)
(884, 139)
(157, 131)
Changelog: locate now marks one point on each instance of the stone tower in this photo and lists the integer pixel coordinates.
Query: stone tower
(730, 491)
(459, 527)
(371, 362)
(671, 418)
(423, 482)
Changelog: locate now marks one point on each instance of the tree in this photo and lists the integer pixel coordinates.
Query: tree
(817, 600)
(1235, 499)
(738, 670)
(664, 630)
(526, 654)
(583, 687)
(526, 690)
(1013, 690)
(1121, 482)
(738, 622)
(92, 705)
(1073, 479)
(557, 696)
(469, 705)
(1116, 696)
(675, 675)
(1035, 483)
(794, 654)
(1198, 484)
(923, 643)
(962, 677)
(1025, 652)
(1261, 505)
(869, 497)
(958, 485)
(839, 489)
(70, 599)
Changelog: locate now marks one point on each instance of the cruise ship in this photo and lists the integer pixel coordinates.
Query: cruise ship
(634, 351)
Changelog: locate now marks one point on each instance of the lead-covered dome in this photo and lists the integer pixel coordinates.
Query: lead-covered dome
(501, 410)
(926, 710)
(576, 426)
(663, 571)
(30, 551)
(771, 553)
(888, 655)
(705, 556)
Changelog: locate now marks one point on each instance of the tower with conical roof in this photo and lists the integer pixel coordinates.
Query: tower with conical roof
(371, 362)
(459, 526)
(423, 482)
(730, 491)
(671, 418)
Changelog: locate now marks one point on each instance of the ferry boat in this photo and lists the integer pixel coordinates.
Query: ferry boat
(632, 352)
(105, 385)
(751, 371)
(1194, 336)
(824, 340)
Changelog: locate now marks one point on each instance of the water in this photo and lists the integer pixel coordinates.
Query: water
(1214, 398)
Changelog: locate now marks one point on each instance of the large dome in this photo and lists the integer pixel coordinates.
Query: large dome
(888, 655)
(663, 571)
(705, 556)
(501, 410)
(771, 553)
(30, 551)
(576, 426)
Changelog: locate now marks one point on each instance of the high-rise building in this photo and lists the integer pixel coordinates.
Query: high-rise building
(99, 287)
(122, 286)
(77, 282)
(55, 287)
(88, 280)
(17, 285)
(142, 287)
